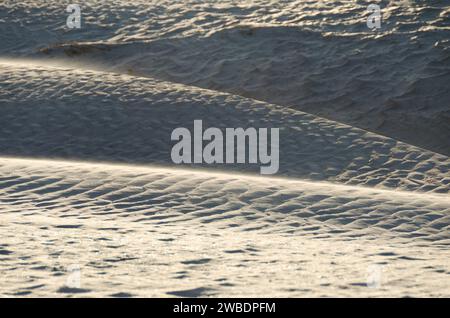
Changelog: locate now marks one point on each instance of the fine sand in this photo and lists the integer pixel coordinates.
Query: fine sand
(92, 205)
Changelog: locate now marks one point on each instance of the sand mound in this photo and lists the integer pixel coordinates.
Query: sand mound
(351, 212)
(350, 79)
(160, 231)
(318, 57)
(74, 113)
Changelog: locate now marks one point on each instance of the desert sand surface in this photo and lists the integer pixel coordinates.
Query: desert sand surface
(315, 56)
(91, 204)
(146, 231)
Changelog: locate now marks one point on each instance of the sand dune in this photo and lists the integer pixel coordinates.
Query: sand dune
(91, 203)
(162, 231)
(314, 56)
(143, 231)
(302, 70)
(76, 113)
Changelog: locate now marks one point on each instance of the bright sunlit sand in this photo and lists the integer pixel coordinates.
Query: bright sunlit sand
(92, 205)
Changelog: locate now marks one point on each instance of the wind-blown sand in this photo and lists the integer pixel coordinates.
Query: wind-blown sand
(91, 115)
(149, 231)
(315, 56)
(88, 189)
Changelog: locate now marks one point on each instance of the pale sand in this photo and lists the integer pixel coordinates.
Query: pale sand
(145, 231)
(314, 56)
(351, 212)
(102, 116)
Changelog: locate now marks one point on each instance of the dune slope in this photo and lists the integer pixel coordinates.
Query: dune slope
(376, 206)
(146, 231)
(91, 203)
(315, 56)
(76, 113)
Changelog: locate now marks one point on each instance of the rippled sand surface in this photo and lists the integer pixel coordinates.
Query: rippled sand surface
(91, 204)
(315, 56)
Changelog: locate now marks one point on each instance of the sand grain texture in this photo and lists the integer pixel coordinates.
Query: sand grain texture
(91, 204)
